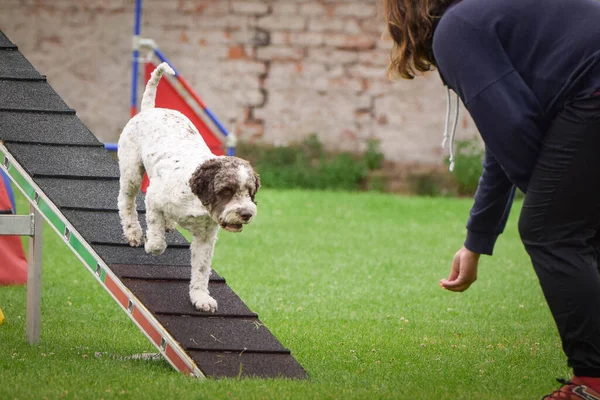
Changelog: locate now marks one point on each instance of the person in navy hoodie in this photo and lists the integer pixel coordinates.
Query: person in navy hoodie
(528, 72)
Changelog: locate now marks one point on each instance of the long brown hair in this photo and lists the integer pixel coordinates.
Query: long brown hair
(410, 25)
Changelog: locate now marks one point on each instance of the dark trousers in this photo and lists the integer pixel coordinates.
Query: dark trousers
(560, 228)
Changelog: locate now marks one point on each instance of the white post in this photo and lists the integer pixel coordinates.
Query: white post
(34, 278)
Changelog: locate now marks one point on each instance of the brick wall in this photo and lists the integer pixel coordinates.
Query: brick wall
(280, 69)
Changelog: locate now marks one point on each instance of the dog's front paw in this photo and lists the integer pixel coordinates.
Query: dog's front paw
(156, 248)
(133, 234)
(203, 302)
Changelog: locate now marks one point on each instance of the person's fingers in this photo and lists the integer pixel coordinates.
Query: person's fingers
(447, 284)
(459, 284)
(457, 288)
(462, 274)
(455, 271)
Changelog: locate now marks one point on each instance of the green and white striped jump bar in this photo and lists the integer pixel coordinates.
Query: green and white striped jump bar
(133, 307)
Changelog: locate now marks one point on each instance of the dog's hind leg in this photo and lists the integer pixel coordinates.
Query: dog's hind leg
(155, 226)
(170, 226)
(132, 172)
(202, 249)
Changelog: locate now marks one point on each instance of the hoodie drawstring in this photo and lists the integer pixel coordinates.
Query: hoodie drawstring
(452, 133)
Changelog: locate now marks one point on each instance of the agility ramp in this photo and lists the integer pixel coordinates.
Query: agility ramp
(70, 179)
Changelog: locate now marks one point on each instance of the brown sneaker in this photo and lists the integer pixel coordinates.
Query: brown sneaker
(574, 389)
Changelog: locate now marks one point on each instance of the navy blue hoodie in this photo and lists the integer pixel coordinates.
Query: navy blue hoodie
(515, 64)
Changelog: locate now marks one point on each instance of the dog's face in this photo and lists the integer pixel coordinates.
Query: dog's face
(226, 186)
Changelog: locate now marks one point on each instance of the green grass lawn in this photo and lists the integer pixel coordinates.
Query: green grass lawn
(348, 282)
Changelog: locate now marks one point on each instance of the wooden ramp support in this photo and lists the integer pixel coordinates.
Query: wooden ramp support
(68, 177)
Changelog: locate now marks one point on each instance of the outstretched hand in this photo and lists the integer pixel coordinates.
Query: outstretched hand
(464, 271)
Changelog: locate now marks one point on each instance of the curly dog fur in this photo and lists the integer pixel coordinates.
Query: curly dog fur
(189, 186)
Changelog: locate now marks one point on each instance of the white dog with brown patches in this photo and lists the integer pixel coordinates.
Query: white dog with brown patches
(189, 186)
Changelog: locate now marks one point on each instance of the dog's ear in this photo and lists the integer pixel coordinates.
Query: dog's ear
(202, 181)
(256, 182)
(256, 186)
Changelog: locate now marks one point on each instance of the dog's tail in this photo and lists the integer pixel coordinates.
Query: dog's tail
(150, 92)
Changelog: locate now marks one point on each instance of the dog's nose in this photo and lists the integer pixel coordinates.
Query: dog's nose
(245, 215)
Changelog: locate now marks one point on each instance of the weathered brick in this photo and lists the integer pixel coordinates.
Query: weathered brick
(279, 7)
(225, 21)
(373, 26)
(356, 42)
(328, 115)
(365, 71)
(326, 24)
(242, 36)
(197, 7)
(211, 52)
(313, 8)
(154, 6)
(293, 75)
(246, 82)
(378, 87)
(385, 42)
(251, 130)
(236, 53)
(336, 71)
(352, 26)
(364, 102)
(250, 7)
(176, 20)
(332, 56)
(355, 9)
(99, 6)
(403, 109)
(209, 37)
(283, 22)
(300, 39)
(379, 58)
(279, 38)
(340, 84)
(13, 3)
(279, 53)
(245, 67)
(363, 116)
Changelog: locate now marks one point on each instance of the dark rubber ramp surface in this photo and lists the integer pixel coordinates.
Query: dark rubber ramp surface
(158, 272)
(65, 161)
(243, 363)
(104, 227)
(5, 43)
(27, 95)
(172, 297)
(117, 254)
(224, 334)
(85, 194)
(45, 128)
(14, 65)
(154, 272)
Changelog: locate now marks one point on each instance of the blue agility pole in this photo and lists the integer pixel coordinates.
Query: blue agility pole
(135, 56)
(111, 146)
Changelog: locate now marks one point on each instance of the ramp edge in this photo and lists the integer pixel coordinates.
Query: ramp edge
(131, 305)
